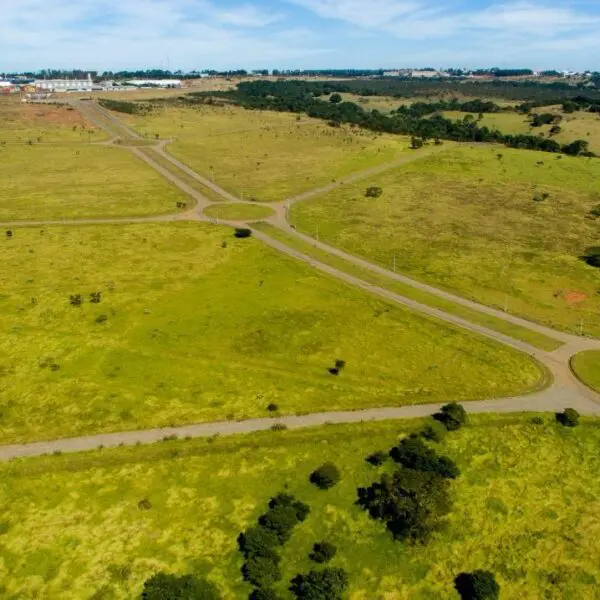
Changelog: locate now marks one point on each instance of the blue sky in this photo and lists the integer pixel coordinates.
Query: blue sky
(221, 34)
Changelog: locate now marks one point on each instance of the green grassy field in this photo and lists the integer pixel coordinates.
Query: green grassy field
(466, 220)
(38, 123)
(55, 182)
(195, 325)
(509, 122)
(238, 211)
(587, 367)
(263, 155)
(526, 507)
(538, 340)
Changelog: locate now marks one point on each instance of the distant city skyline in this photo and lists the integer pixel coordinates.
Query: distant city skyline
(298, 34)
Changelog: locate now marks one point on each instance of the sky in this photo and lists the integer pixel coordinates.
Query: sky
(298, 34)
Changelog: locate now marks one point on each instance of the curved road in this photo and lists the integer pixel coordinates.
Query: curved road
(564, 391)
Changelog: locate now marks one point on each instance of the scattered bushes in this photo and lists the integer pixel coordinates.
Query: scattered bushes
(452, 415)
(323, 552)
(478, 585)
(411, 503)
(258, 543)
(164, 586)
(412, 453)
(568, 418)
(326, 476)
(328, 584)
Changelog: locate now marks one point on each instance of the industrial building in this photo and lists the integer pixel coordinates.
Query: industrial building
(161, 83)
(65, 85)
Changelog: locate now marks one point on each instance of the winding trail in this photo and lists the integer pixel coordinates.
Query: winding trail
(564, 390)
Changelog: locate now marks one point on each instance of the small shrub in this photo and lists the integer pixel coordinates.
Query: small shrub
(377, 458)
(452, 415)
(595, 212)
(340, 364)
(279, 427)
(434, 431)
(301, 509)
(272, 407)
(373, 192)
(75, 300)
(257, 541)
(262, 571)
(412, 453)
(328, 584)
(144, 504)
(101, 319)
(9, 233)
(164, 586)
(95, 297)
(323, 552)
(326, 476)
(243, 233)
(537, 420)
(568, 418)
(478, 585)
(592, 256)
(264, 594)
(541, 197)
(4, 527)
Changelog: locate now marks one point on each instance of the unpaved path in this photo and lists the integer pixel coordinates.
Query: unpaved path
(564, 391)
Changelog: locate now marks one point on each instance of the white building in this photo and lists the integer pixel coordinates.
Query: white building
(65, 85)
(161, 83)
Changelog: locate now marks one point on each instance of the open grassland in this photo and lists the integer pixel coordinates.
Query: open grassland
(466, 220)
(538, 340)
(238, 211)
(55, 182)
(264, 155)
(36, 123)
(587, 367)
(195, 325)
(526, 507)
(578, 126)
(506, 122)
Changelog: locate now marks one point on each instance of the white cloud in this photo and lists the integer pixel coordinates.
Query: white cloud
(374, 13)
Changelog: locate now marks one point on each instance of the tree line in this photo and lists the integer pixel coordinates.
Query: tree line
(420, 120)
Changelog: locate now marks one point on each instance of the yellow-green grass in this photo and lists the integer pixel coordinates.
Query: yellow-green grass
(238, 211)
(56, 182)
(466, 220)
(536, 339)
(206, 191)
(38, 123)
(506, 122)
(263, 155)
(196, 325)
(587, 367)
(579, 126)
(525, 507)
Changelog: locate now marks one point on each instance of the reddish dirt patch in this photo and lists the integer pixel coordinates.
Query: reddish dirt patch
(574, 297)
(40, 114)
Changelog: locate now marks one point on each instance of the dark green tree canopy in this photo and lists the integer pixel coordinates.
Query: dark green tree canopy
(165, 586)
(478, 585)
(328, 584)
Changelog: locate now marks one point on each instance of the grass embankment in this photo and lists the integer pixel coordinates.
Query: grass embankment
(263, 155)
(41, 123)
(525, 507)
(239, 212)
(587, 367)
(538, 340)
(195, 325)
(467, 220)
(65, 182)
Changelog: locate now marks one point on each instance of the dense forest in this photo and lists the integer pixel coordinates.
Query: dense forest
(420, 120)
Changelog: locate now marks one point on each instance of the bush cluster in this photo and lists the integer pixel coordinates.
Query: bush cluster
(328, 584)
(323, 552)
(568, 418)
(452, 415)
(478, 585)
(413, 453)
(326, 476)
(165, 586)
(259, 543)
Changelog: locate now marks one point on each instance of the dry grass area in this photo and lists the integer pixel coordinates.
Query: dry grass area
(266, 156)
(36, 123)
(467, 220)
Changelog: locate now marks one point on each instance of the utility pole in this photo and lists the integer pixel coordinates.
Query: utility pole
(394, 264)
(581, 328)
(505, 303)
(317, 233)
